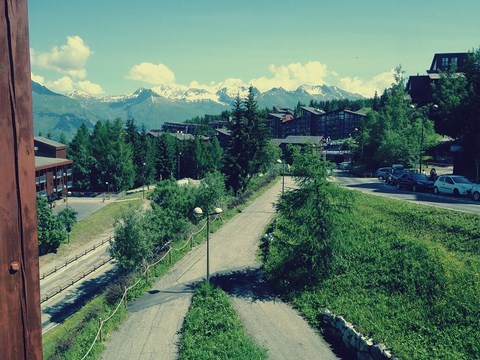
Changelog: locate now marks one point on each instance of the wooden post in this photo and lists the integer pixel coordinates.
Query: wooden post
(20, 315)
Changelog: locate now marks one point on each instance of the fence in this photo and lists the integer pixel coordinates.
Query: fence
(71, 260)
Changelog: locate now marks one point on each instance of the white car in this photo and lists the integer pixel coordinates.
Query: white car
(476, 192)
(453, 184)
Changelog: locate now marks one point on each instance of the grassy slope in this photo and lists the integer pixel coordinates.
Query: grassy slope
(406, 275)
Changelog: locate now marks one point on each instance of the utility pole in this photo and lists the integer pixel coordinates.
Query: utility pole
(20, 315)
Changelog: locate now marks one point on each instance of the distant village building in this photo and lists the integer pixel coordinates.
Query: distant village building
(53, 171)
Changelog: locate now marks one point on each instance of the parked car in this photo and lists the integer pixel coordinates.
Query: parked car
(393, 176)
(415, 182)
(476, 192)
(453, 184)
(382, 172)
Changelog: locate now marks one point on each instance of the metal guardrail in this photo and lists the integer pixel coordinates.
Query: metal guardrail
(75, 280)
(71, 260)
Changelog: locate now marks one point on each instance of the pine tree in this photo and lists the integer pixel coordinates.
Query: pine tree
(79, 150)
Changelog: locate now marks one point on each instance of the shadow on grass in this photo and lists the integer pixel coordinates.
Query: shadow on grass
(246, 283)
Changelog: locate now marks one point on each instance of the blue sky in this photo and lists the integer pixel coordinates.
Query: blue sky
(108, 47)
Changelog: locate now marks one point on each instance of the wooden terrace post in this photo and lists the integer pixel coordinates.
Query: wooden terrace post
(20, 315)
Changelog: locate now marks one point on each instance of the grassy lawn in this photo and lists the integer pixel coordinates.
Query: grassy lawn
(406, 275)
(212, 330)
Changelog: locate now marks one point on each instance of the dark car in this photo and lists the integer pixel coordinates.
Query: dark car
(394, 175)
(415, 182)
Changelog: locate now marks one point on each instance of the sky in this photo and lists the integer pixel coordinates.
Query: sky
(106, 47)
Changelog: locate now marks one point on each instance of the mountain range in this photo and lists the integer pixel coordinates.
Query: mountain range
(56, 113)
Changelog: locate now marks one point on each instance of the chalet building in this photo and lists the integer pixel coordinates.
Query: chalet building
(53, 171)
(275, 121)
(339, 124)
(223, 135)
(420, 87)
(303, 125)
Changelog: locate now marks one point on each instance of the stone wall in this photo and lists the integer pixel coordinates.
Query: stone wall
(351, 341)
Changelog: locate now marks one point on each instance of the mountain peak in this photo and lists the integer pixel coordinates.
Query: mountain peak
(77, 94)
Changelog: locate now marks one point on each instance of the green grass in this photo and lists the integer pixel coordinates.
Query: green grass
(404, 274)
(212, 330)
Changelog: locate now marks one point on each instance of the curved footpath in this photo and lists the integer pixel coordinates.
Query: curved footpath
(152, 328)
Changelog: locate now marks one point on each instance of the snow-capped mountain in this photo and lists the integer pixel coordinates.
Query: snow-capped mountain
(56, 113)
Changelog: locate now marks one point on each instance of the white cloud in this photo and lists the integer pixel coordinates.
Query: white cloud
(64, 84)
(292, 76)
(70, 58)
(367, 88)
(67, 84)
(154, 74)
(89, 87)
(37, 78)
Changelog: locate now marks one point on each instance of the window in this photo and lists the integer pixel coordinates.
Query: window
(444, 62)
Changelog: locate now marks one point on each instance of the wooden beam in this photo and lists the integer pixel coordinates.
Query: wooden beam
(20, 315)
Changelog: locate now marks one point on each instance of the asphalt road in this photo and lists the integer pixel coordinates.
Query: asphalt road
(152, 328)
(376, 187)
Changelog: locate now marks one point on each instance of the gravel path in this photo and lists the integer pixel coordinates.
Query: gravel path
(152, 328)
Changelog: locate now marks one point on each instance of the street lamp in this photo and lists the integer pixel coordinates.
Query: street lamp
(143, 178)
(423, 115)
(199, 212)
(283, 174)
(108, 189)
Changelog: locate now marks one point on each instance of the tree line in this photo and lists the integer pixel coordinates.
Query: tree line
(118, 157)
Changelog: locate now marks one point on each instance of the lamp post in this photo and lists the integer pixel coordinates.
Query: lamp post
(283, 174)
(423, 115)
(199, 212)
(143, 178)
(108, 189)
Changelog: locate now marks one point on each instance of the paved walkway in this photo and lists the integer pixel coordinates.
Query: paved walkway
(152, 328)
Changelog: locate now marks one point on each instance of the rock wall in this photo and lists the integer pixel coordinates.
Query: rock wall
(354, 343)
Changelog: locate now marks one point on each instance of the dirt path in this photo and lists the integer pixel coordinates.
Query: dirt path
(152, 329)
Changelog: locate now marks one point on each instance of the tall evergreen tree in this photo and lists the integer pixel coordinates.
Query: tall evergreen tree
(236, 162)
(80, 151)
(248, 151)
(165, 156)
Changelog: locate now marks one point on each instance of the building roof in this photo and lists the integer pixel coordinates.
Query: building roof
(277, 115)
(182, 136)
(49, 142)
(294, 139)
(42, 162)
(223, 131)
(359, 113)
(313, 110)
